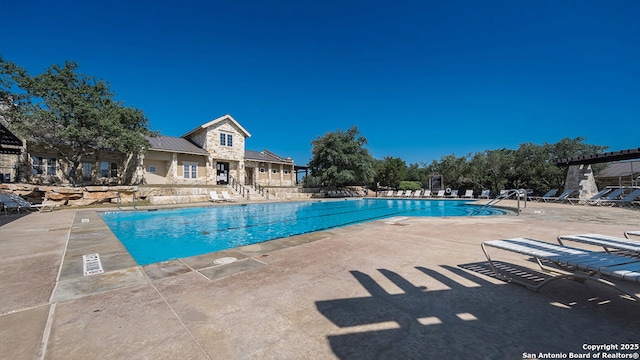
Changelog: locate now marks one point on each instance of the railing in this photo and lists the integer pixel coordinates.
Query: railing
(519, 193)
(259, 189)
(134, 201)
(244, 192)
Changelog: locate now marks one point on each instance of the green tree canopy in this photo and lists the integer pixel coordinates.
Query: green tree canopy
(72, 113)
(390, 171)
(340, 158)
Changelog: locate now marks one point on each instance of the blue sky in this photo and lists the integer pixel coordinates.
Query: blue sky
(420, 79)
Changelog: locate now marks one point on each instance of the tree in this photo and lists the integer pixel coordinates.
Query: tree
(391, 171)
(71, 113)
(340, 158)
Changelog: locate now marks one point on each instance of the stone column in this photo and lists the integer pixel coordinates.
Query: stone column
(580, 177)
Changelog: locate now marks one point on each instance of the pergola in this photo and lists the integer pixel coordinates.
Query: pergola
(580, 176)
(629, 154)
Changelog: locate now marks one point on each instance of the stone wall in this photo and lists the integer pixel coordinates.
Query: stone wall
(72, 196)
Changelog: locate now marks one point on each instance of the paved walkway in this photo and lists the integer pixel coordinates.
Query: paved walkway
(416, 288)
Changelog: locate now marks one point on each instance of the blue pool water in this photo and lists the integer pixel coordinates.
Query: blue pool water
(153, 236)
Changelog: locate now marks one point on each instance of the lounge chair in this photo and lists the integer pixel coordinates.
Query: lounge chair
(389, 193)
(427, 193)
(225, 196)
(399, 193)
(626, 200)
(607, 242)
(453, 194)
(440, 194)
(24, 204)
(634, 233)
(485, 194)
(408, 193)
(614, 195)
(548, 196)
(572, 263)
(468, 194)
(13, 202)
(213, 196)
(417, 193)
(564, 196)
(593, 198)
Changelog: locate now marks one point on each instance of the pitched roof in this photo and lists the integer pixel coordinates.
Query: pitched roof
(9, 143)
(220, 119)
(621, 168)
(266, 156)
(174, 144)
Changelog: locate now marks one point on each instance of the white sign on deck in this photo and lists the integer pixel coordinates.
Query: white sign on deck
(91, 264)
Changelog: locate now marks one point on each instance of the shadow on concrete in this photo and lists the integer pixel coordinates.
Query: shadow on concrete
(467, 316)
(9, 217)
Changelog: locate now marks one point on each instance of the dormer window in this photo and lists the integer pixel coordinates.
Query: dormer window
(226, 139)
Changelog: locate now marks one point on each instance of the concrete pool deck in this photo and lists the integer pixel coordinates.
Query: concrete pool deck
(405, 288)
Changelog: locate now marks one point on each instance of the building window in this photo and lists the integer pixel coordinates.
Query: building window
(262, 170)
(86, 171)
(108, 169)
(52, 166)
(274, 171)
(190, 171)
(37, 165)
(152, 169)
(226, 139)
(286, 172)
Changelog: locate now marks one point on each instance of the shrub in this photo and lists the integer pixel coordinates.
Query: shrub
(410, 185)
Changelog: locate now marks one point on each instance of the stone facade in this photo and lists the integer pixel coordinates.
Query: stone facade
(580, 177)
(220, 158)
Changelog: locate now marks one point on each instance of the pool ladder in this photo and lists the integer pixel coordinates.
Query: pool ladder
(134, 201)
(519, 193)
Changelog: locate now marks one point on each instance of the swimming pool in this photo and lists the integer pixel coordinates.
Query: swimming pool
(161, 235)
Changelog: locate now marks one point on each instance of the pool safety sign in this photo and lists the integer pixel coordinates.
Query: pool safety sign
(91, 264)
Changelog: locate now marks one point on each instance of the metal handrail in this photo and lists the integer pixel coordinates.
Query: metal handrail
(506, 195)
(239, 188)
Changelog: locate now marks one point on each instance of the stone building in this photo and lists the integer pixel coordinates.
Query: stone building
(214, 154)
(10, 150)
(211, 154)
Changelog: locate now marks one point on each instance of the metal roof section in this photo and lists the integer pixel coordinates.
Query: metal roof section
(266, 156)
(601, 158)
(620, 169)
(220, 119)
(9, 143)
(174, 144)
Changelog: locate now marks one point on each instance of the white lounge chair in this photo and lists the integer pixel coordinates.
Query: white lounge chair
(213, 196)
(408, 193)
(427, 193)
(468, 194)
(571, 263)
(417, 193)
(400, 192)
(453, 194)
(607, 242)
(634, 233)
(389, 193)
(485, 194)
(226, 197)
(440, 194)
